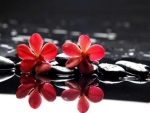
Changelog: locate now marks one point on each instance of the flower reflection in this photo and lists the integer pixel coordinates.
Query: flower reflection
(84, 90)
(35, 89)
(36, 53)
(82, 56)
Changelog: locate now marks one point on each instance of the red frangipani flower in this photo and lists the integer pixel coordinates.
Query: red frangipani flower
(36, 53)
(84, 91)
(82, 56)
(35, 89)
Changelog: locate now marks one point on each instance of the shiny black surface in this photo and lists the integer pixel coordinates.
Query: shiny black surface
(121, 26)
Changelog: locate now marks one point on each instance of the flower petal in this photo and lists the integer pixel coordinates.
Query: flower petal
(85, 67)
(42, 70)
(24, 52)
(95, 94)
(72, 85)
(42, 67)
(73, 62)
(36, 43)
(27, 79)
(84, 42)
(35, 99)
(48, 92)
(27, 65)
(96, 52)
(71, 49)
(49, 51)
(70, 94)
(23, 90)
(83, 104)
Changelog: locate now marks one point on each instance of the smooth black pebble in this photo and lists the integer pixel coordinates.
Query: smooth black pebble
(6, 64)
(135, 69)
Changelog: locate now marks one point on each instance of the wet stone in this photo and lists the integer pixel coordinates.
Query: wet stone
(65, 75)
(17, 68)
(110, 73)
(61, 79)
(139, 82)
(6, 64)
(135, 80)
(55, 74)
(111, 70)
(135, 69)
(95, 67)
(107, 79)
(60, 70)
(61, 85)
(110, 81)
(53, 63)
(53, 77)
(62, 59)
(5, 75)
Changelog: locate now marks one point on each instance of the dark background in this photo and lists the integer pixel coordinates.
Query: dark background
(128, 18)
(75, 8)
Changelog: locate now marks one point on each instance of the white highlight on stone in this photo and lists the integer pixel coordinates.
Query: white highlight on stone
(111, 67)
(132, 65)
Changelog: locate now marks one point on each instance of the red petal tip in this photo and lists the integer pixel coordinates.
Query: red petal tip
(49, 51)
(35, 99)
(84, 42)
(70, 94)
(83, 104)
(95, 94)
(23, 90)
(71, 49)
(48, 92)
(35, 43)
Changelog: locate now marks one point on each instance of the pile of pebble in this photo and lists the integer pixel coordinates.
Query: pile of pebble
(104, 72)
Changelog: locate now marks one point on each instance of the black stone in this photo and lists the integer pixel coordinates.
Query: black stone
(135, 69)
(53, 63)
(62, 59)
(47, 77)
(61, 70)
(61, 79)
(111, 70)
(110, 81)
(6, 64)
(110, 73)
(61, 85)
(17, 69)
(95, 68)
(135, 80)
(56, 73)
(5, 75)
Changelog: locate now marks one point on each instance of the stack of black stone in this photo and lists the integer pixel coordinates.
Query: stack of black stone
(104, 72)
(109, 76)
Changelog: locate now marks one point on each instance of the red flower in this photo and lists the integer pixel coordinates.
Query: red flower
(36, 53)
(84, 91)
(36, 89)
(83, 55)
